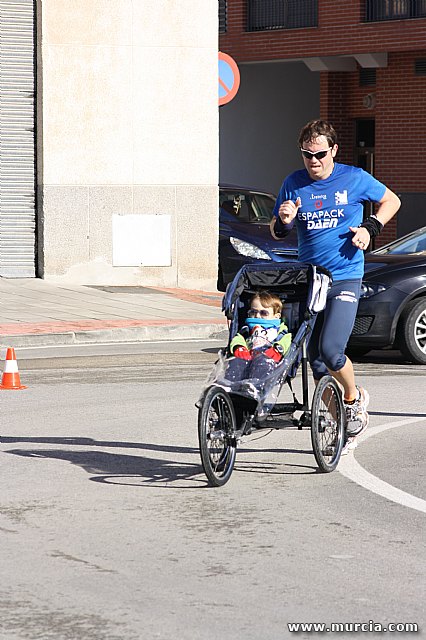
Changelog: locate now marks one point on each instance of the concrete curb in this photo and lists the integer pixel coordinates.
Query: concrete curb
(199, 331)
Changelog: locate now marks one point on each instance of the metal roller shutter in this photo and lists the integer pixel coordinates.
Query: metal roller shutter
(17, 139)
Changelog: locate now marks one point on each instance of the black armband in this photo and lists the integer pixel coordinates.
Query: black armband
(282, 230)
(373, 226)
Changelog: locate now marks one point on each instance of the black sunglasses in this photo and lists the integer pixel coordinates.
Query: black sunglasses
(318, 155)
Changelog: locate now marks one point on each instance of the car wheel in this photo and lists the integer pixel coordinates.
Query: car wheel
(412, 331)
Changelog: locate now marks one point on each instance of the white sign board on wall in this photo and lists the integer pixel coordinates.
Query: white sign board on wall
(141, 240)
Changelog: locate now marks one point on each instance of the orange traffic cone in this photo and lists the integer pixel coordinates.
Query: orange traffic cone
(11, 379)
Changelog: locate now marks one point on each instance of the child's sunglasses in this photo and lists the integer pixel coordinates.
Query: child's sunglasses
(318, 155)
(253, 313)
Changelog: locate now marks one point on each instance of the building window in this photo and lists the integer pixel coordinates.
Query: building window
(367, 77)
(420, 67)
(376, 10)
(281, 14)
(223, 10)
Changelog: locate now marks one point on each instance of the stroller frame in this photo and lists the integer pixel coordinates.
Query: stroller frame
(227, 412)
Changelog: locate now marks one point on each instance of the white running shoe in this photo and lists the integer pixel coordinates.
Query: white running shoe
(357, 417)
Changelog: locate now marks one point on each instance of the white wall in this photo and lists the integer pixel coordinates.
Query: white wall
(260, 127)
(128, 125)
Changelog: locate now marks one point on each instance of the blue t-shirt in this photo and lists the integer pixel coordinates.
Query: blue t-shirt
(329, 207)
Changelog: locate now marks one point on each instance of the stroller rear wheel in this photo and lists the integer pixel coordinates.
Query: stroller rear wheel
(216, 435)
(328, 424)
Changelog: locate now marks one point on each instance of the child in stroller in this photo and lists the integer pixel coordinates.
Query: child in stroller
(262, 342)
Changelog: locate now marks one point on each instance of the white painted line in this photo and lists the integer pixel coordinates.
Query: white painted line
(352, 470)
(116, 344)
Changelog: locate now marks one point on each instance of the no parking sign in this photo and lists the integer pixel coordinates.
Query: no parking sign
(229, 78)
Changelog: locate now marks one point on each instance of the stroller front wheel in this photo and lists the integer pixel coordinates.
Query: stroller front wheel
(216, 436)
(328, 424)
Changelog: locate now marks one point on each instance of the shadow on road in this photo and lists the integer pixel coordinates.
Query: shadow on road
(85, 442)
(381, 356)
(116, 468)
(141, 470)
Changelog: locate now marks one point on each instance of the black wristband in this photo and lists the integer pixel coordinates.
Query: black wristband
(373, 226)
(281, 229)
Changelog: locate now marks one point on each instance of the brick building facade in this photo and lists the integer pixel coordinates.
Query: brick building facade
(371, 58)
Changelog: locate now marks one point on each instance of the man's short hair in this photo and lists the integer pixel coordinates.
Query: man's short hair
(316, 128)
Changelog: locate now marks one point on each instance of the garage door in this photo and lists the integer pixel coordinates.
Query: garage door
(17, 139)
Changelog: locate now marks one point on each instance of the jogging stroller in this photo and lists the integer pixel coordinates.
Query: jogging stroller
(229, 409)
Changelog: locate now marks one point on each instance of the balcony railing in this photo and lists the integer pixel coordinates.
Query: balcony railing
(281, 14)
(376, 10)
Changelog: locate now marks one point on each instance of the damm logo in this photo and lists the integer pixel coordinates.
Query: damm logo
(328, 223)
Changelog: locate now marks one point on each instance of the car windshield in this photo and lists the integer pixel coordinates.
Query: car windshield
(248, 206)
(414, 242)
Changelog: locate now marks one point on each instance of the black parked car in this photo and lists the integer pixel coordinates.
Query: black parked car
(244, 236)
(392, 309)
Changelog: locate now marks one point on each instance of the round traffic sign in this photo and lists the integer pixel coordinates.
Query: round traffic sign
(229, 78)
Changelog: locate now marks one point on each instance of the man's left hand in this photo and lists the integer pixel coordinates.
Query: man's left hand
(361, 238)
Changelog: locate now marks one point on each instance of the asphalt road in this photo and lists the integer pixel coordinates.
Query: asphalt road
(109, 530)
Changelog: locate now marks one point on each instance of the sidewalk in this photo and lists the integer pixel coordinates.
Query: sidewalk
(34, 312)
